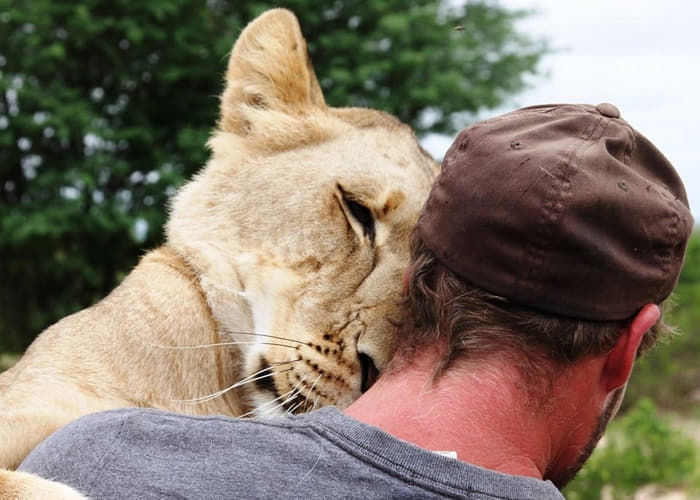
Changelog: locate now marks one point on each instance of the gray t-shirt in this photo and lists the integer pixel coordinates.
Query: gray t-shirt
(135, 453)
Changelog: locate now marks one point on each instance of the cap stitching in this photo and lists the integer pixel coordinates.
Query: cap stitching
(560, 189)
(665, 255)
(631, 146)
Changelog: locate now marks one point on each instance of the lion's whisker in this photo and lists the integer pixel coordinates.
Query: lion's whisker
(254, 376)
(291, 410)
(311, 390)
(248, 379)
(214, 395)
(269, 411)
(294, 393)
(290, 391)
(232, 332)
(204, 399)
(264, 405)
(220, 344)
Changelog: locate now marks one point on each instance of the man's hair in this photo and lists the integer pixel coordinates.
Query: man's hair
(477, 324)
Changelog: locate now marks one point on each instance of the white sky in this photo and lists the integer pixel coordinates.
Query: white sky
(641, 55)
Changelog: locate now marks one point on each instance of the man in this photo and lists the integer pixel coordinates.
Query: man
(539, 263)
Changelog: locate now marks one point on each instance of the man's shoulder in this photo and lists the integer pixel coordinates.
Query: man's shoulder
(147, 417)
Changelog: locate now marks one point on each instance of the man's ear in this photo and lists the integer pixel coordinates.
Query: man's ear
(620, 360)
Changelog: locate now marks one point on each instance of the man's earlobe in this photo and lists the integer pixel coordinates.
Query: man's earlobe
(618, 366)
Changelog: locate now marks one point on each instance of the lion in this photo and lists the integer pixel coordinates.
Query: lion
(278, 287)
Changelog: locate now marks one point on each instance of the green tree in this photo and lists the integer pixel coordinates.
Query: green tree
(105, 107)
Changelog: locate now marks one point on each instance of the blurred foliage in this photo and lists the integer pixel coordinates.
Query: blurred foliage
(105, 107)
(639, 449)
(7, 360)
(641, 446)
(670, 373)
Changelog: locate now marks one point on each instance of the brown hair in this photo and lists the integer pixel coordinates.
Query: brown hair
(476, 323)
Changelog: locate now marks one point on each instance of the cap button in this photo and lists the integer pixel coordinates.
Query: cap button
(607, 109)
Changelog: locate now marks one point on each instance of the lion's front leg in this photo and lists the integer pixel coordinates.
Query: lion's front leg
(22, 429)
(34, 408)
(15, 485)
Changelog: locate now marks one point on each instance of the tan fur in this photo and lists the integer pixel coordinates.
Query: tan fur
(262, 241)
(20, 486)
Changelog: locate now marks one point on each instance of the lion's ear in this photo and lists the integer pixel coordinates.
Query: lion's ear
(269, 69)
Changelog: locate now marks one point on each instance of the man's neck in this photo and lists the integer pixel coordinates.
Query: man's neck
(479, 411)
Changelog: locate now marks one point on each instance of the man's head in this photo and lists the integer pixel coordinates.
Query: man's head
(558, 221)
(548, 239)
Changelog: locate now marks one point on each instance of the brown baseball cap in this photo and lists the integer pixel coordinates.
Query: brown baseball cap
(563, 208)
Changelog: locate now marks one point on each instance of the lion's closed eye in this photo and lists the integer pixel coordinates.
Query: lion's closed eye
(357, 214)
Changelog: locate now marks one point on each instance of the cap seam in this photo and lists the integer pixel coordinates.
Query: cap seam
(665, 256)
(627, 155)
(561, 189)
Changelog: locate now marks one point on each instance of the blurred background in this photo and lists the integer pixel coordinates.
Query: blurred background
(105, 107)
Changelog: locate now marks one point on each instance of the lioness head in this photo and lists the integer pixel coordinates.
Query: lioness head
(299, 225)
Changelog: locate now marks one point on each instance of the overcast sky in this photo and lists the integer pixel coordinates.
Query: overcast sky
(641, 55)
